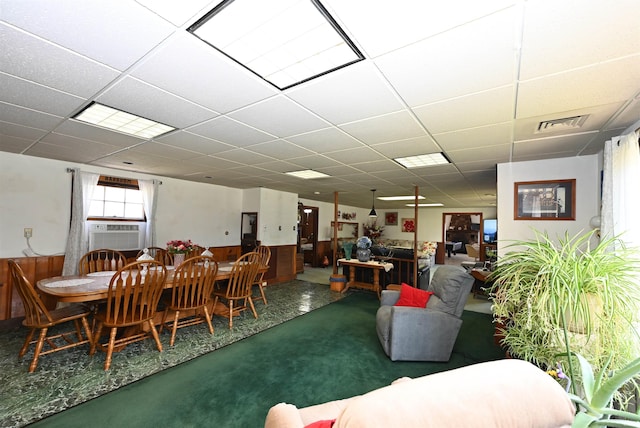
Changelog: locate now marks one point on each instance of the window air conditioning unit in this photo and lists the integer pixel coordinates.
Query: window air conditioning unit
(116, 236)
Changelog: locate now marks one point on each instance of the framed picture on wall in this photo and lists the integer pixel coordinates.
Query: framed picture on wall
(408, 225)
(391, 218)
(545, 200)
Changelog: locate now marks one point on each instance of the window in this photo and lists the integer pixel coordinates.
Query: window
(117, 198)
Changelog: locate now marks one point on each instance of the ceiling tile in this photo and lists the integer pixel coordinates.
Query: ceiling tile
(213, 79)
(280, 149)
(279, 116)
(567, 35)
(163, 150)
(27, 117)
(230, 131)
(36, 97)
(468, 112)
(195, 143)
(178, 13)
(546, 146)
(459, 55)
(44, 63)
(409, 147)
(150, 103)
(359, 90)
(317, 140)
(585, 87)
(391, 127)
(81, 130)
(23, 132)
(497, 154)
(388, 27)
(114, 33)
(483, 136)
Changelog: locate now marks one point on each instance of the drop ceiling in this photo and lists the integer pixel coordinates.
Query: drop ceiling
(471, 79)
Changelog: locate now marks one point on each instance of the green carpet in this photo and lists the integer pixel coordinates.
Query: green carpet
(332, 352)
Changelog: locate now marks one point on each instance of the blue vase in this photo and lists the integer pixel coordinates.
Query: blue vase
(363, 254)
(347, 247)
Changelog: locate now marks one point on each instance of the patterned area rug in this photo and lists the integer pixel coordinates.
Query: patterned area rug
(67, 378)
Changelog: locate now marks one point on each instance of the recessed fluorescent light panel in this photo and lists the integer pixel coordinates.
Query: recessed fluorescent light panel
(286, 42)
(307, 174)
(117, 120)
(399, 198)
(423, 160)
(426, 205)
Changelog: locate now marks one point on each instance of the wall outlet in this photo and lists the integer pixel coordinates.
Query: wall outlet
(28, 232)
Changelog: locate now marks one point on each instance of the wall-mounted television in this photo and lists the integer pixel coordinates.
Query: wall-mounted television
(490, 230)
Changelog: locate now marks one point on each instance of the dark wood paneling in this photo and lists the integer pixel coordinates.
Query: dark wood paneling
(35, 269)
(282, 266)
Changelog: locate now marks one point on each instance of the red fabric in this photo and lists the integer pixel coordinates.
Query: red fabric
(411, 296)
(321, 424)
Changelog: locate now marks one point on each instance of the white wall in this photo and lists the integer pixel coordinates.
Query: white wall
(277, 217)
(586, 171)
(36, 193)
(430, 225)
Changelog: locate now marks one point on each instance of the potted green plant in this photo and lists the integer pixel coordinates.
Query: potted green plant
(595, 405)
(552, 296)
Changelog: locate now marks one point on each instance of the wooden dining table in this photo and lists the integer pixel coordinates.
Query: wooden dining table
(95, 286)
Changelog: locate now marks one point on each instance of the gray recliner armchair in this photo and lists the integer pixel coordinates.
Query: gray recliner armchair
(425, 334)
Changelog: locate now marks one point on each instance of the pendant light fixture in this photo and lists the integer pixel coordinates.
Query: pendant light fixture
(373, 213)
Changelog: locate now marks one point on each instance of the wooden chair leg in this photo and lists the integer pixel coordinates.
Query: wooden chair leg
(208, 318)
(155, 335)
(112, 340)
(253, 308)
(174, 329)
(87, 331)
(36, 352)
(27, 342)
(164, 319)
(96, 338)
(230, 314)
(261, 288)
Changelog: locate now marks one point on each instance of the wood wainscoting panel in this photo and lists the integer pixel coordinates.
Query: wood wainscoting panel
(223, 254)
(282, 266)
(35, 269)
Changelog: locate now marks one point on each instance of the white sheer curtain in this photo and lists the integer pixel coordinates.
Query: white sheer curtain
(620, 201)
(84, 183)
(149, 189)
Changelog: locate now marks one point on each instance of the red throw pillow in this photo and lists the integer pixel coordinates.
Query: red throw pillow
(321, 424)
(412, 296)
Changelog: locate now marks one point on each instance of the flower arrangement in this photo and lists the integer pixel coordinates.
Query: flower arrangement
(372, 230)
(180, 247)
(429, 248)
(364, 242)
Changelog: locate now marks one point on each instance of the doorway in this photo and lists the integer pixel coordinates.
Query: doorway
(460, 230)
(308, 235)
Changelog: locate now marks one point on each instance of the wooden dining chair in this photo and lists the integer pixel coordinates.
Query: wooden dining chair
(191, 291)
(100, 261)
(158, 253)
(238, 291)
(132, 299)
(265, 256)
(196, 250)
(38, 317)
